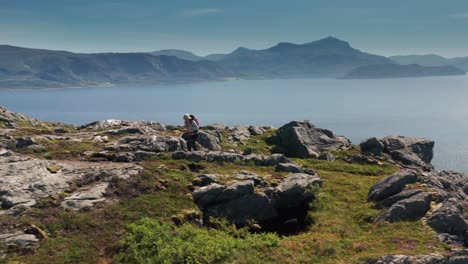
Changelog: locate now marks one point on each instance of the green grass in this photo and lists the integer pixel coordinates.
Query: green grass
(352, 168)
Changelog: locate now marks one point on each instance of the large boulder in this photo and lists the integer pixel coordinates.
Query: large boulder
(252, 198)
(398, 197)
(446, 184)
(409, 151)
(304, 140)
(410, 208)
(449, 218)
(209, 140)
(391, 185)
(293, 191)
(254, 206)
(372, 145)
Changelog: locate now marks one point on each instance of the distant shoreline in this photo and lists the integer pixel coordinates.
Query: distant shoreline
(220, 80)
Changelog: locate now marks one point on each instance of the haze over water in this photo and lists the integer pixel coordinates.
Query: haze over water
(434, 107)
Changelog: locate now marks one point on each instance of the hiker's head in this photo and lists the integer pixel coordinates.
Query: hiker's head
(187, 117)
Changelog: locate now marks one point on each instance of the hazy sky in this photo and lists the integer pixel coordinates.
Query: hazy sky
(219, 26)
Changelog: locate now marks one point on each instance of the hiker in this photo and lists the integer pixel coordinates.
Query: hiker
(192, 127)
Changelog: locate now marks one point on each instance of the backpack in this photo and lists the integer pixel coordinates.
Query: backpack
(194, 118)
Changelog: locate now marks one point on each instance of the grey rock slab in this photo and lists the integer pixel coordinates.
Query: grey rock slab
(302, 139)
(449, 218)
(398, 197)
(410, 208)
(391, 185)
(24, 180)
(209, 140)
(87, 198)
(288, 167)
(236, 190)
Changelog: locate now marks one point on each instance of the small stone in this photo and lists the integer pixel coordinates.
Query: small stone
(54, 168)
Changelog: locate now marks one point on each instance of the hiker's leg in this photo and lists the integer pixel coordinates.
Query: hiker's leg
(195, 137)
(189, 144)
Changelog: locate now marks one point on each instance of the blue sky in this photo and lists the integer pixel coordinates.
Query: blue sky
(219, 26)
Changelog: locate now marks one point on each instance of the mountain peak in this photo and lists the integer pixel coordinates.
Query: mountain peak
(241, 50)
(331, 41)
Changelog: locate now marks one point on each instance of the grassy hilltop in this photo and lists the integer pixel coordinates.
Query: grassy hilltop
(149, 218)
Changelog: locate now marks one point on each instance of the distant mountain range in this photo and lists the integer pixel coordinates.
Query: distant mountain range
(328, 57)
(31, 68)
(432, 60)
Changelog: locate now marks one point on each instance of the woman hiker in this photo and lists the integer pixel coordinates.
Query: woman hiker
(192, 131)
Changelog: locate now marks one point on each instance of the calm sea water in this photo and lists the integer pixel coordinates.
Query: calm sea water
(435, 108)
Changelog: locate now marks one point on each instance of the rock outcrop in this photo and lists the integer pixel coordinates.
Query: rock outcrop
(449, 218)
(258, 160)
(413, 207)
(448, 189)
(446, 184)
(25, 180)
(130, 126)
(302, 139)
(391, 185)
(251, 198)
(10, 119)
(409, 152)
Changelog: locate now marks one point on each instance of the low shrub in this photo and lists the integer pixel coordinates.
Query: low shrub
(150, 241)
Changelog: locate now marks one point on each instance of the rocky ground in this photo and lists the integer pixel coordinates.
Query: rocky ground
(74, 189)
